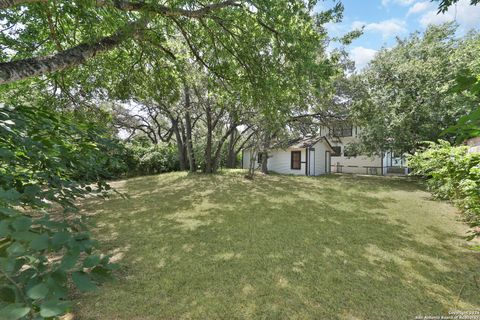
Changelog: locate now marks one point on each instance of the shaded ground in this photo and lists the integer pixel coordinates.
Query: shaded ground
(280, 247)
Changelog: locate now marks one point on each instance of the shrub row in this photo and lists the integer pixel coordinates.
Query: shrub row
(453, 174)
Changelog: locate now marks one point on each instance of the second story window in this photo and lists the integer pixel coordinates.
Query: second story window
(342, 131)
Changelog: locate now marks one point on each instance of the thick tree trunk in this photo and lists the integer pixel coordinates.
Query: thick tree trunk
(191, 155)
(264, 162)
(264, 152)
(188, 131)
(208, 168)
(231, 154)
(180, 145)
(218, 152)
(22, 69)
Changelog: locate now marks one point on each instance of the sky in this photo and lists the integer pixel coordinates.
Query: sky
(384, 20)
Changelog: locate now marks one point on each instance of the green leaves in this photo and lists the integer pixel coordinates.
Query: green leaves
(16, 249)
(83, 282)
(91, 261)
(40, 242)
(42, 155)
(414, 91)
(453, 174)
(14, 311)
(52, 308)
(22, 223)
(39, 291)
(60, 238)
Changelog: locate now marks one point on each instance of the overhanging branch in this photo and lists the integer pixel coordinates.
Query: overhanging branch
(140, 6)
(31, 67)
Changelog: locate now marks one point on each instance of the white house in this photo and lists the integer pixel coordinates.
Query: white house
(328, 153)
(309, 156)
(340, 135)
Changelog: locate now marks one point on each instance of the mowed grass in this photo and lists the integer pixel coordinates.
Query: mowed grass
(280, 247)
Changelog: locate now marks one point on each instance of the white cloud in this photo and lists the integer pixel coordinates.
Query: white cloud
(387, 28)
(362, 56)
(419, 7)
(385, 3)
(466, 15)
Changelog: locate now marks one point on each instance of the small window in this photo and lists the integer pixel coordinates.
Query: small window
(296, 160)
(259, 158)
(337, 151)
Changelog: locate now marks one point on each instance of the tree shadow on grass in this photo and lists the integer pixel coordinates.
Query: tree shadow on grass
(277, 247)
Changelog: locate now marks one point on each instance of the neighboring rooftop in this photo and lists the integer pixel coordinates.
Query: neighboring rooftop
(302, 142)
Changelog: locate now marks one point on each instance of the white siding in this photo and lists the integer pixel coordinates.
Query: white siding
(358, 164)
(320, 158)
(246, 159)
(280, 161)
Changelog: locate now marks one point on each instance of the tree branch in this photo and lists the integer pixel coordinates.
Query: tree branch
(166, 11)
(141, 6)
(31, 67)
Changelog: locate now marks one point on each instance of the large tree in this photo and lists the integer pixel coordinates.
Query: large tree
(404, 96)
(42, 36)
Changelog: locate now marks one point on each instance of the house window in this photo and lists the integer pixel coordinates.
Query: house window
(259, 158)
(341, 131)
(296, 160)
(337, 151)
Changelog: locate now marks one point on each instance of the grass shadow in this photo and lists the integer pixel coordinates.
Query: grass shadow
(332, 247)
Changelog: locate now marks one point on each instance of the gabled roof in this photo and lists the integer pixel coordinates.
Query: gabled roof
(302, 142)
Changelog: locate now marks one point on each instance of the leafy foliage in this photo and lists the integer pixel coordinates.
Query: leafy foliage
(445, 4)
(454, 174)
(145, 158)
(404, 96)
(468, 126)
(47, 161)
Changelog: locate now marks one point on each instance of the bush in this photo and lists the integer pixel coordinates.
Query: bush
(46, 158)
(143, 158)
(454, 174)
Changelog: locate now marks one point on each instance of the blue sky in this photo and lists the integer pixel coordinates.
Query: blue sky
(386, 19)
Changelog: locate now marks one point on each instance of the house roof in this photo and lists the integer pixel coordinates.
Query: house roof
(303, 142)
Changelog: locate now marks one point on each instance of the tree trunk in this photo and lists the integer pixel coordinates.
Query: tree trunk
(208, 168)
(251, 166)
(264, 162)
(264, 152)
(188, 129)
(180, 145)
(231, 154)
(218, 152)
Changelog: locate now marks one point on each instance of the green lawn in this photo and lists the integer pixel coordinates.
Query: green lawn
(280, 247)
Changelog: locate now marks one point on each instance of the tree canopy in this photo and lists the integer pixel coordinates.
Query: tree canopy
(404, 96)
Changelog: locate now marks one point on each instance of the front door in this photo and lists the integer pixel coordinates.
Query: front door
(311, 162)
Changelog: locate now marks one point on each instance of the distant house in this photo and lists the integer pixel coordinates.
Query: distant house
(327, 153)
(308, 156)
(341, 135)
